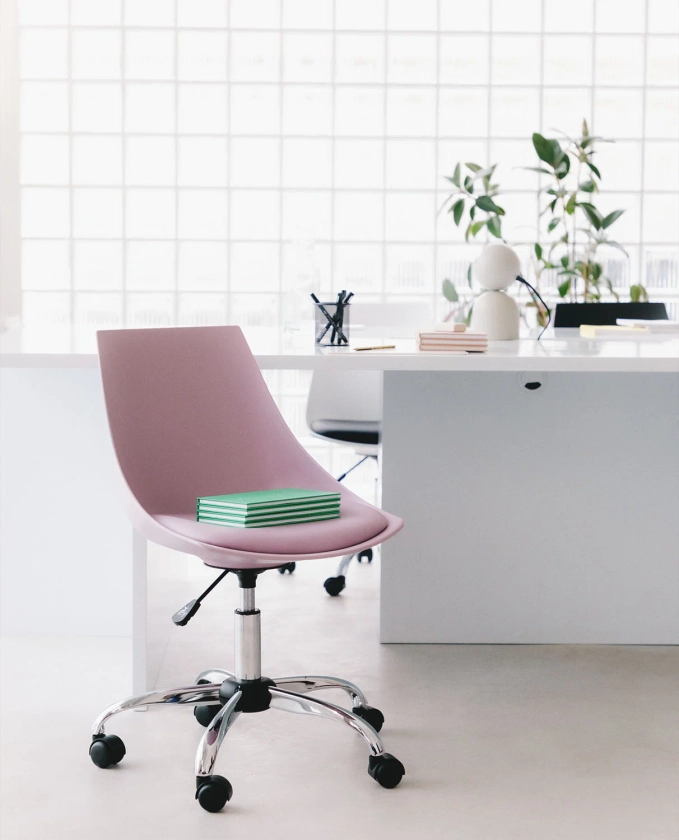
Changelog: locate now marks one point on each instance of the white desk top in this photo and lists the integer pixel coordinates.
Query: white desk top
(559, 350)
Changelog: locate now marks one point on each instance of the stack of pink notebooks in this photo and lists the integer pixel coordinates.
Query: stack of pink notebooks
(453, 338)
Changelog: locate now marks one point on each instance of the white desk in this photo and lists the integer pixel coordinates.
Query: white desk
(531, 516)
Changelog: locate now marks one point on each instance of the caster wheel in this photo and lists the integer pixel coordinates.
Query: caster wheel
(107, 750)
(289, 568)
(372, 716)
(213, 792)
(365, 555)
(334, 585)
(386, 770)
(205, 714)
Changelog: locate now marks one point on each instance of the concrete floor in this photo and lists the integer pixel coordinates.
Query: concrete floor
(499, 742)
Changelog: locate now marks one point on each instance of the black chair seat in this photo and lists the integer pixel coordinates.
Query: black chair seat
(354, 431)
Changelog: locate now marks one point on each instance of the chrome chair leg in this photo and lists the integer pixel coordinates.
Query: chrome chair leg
(214, 735)
(305, 684)
(193, 695)
(383, 767)
(345, 562)
(288, 701)
(213, 792)
(213, 675)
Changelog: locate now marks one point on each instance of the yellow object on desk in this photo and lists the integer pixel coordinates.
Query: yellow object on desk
(606, 331)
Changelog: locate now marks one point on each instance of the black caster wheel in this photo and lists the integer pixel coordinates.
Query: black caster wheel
(334, 585)
(372, 716)
(213, 792)
(205, 714)
(367, 554)
(107, 750)
(289, 568)
(386, 770)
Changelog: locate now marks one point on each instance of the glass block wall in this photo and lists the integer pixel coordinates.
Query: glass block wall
(191, 161)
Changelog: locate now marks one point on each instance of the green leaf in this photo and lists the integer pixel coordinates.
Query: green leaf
(608, 221)
(564, 288)
(469, 275)
(457, 210)
(594, 169)
(473, 228)
(495, 227)
(468, 318)
(570, 204)
(474, 167)
(547, 150)
(592, 214)
(485, 202)
(449, 291)
(456, 176)
(552, 225)
(595, 270)
(468, 182)
(563, 166)
(538, 250)
(617, 245)
(472, 211)
(487, 175)
(564, 261)
(637, 293)
(587, 186)
(536, 169)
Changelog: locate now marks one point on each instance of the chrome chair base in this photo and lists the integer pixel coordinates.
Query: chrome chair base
(289, 694)
(219, 697)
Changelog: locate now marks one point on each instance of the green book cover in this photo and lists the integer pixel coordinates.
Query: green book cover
(204, 507)
(269, 514)
(246, 520)
(261, 499)
(266, 523)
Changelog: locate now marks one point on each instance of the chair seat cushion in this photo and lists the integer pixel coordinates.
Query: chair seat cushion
(349, 431)
(358, 522)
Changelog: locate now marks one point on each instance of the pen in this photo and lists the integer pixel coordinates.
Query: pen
(332, 323)
(378, 347)
(337, 321)
(327, 315)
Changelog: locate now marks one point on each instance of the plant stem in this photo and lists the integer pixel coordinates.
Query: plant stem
(577, 190)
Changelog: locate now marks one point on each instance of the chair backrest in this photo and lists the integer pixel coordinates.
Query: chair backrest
(606, 314)
(356, 396)
(345, 395)
(190, 415)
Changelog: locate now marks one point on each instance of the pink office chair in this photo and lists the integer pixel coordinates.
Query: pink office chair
(190, 415)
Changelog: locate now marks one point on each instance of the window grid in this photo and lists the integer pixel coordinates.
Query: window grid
(386, 260)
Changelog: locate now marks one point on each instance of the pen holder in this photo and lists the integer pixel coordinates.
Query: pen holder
(331, 324)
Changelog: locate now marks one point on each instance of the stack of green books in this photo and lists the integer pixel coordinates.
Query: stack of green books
(264, 508)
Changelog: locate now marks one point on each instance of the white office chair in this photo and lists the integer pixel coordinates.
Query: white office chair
(345, 407)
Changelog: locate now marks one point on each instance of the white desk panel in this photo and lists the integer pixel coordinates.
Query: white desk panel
(86, 572)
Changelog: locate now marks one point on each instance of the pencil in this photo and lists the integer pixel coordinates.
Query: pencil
(378, 347)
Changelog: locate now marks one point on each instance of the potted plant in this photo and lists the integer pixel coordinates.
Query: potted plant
(578, 228)
(575, 229)
(474, 201)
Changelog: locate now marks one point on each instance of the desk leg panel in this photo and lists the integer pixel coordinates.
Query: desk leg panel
(543, 516)
(68, 549)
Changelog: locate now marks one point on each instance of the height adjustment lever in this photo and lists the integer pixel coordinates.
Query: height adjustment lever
(182, 617)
